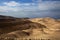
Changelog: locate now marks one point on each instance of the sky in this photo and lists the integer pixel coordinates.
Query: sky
(30, 8)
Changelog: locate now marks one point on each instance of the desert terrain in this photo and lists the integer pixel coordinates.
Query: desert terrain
(12, 28)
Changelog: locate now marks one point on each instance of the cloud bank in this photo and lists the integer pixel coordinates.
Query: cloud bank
(13, 6)
(28, 9)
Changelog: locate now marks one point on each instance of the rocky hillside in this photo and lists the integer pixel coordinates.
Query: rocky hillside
(36, 28)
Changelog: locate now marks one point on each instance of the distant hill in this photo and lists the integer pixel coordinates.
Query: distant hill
(8, 22)
(6, 17)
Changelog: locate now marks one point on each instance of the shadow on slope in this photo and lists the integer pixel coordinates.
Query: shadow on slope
(17, 29)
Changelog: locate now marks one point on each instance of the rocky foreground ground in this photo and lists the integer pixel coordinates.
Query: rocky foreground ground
(31, 29)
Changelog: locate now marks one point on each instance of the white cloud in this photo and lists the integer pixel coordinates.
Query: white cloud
(7, 9)
(49, 5)
(11, 3)
(13, 6)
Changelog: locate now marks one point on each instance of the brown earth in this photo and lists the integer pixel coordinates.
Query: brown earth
(36, 28)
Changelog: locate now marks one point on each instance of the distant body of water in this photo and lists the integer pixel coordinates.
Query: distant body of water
(34, 14)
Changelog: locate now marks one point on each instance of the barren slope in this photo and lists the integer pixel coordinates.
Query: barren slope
(36, 28)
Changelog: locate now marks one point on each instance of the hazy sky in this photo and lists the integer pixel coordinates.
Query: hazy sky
(30, 8)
